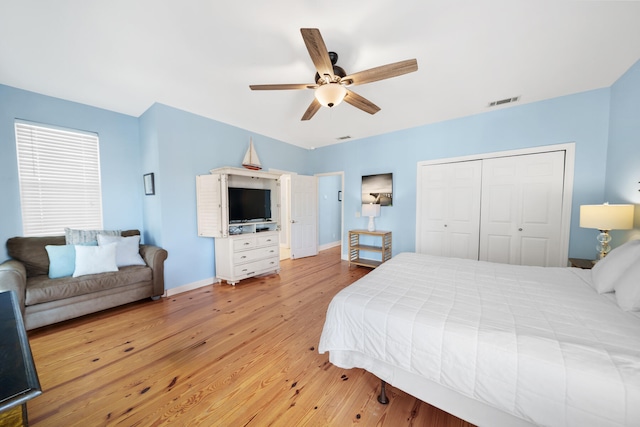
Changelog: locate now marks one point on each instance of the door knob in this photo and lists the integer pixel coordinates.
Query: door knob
(292, 221)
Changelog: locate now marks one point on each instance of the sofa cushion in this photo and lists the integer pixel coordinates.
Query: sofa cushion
(32, 253)
(95, 259)
(41, 289)
(127, 249)
(62, 260)
(74, 237)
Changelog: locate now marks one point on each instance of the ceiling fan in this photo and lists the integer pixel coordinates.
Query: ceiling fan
(332, 81)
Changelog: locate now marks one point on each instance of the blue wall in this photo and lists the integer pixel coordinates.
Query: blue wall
(179, 146)
(176, 146)
(122, 188)
(582, 118)
(623, 154)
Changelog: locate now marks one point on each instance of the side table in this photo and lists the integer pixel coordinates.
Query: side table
(587, 264)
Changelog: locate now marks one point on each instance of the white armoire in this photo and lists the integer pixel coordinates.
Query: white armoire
(508, 207)
(242, 250)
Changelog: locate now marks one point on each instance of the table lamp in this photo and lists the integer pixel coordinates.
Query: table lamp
(605, 218)
(371, 210)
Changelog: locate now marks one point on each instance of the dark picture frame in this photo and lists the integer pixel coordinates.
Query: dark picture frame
(378, 189)
(149, 184)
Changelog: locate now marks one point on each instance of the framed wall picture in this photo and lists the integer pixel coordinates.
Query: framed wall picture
(378, 189)
(149, 184)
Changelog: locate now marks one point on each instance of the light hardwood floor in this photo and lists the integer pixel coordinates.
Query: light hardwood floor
(216, 356)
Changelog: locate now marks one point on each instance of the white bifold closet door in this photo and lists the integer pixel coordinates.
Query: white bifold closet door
(450, 209)
(502, 209)
(521, 209)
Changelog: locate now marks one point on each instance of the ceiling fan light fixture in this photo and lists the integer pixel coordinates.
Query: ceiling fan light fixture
(330, 94)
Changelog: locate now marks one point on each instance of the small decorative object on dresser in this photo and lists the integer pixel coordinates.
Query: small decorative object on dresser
(581, 263)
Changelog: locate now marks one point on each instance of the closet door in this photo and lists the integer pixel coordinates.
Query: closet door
(522, 209)
(448, 216)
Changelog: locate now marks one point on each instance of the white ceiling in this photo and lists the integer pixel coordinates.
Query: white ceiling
(202, 55)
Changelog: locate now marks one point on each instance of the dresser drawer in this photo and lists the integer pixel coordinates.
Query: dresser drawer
(267, 240)
(244, 243)
(256, 267)
(254, 254)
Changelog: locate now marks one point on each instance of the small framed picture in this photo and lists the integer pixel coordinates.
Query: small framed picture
(149, 185)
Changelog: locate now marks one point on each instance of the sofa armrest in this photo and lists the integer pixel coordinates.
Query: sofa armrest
(13, 277)
(155, 256)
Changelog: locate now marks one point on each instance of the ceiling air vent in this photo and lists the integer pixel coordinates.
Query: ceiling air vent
(342, 138)
(504, 101)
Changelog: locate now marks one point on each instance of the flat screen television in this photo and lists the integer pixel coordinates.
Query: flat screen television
(249, 204)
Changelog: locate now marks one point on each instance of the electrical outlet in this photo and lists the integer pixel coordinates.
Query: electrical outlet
(357, 214)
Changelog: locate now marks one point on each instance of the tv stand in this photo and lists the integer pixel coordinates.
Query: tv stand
(242, 249)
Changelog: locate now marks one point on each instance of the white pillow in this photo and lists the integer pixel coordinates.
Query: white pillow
(628, 289)
(95, 259)
(607, 271)
(127, 249)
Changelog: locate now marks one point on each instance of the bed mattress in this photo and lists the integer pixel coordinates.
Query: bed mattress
(537, 343)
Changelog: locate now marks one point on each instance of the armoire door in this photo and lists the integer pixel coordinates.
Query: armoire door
(521, 209)
(449, 209)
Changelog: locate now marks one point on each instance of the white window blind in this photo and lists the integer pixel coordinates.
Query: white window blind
(59, 179)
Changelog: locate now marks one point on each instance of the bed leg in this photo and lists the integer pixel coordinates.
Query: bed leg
(382, 397)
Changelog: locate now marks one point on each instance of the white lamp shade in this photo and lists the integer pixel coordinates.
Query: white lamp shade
(330, 94)
(606, 217)
(370, 209)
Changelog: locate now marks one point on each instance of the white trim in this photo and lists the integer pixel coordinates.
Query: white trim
(190, 286)
(569, 147)
(330, 245)
(569, 165)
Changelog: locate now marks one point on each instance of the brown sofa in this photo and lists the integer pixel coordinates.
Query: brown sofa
(45, 301)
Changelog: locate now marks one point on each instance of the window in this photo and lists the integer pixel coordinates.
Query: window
(59, 179)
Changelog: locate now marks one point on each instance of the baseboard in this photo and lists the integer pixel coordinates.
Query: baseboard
(329, 245)
(190, 286)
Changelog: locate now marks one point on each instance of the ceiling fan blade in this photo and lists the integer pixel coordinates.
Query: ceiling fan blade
(361, 102)
(312, 110)
(317, 50)
(283, 86)
(382, 72)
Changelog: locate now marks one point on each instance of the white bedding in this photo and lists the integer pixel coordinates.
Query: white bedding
(537, 343)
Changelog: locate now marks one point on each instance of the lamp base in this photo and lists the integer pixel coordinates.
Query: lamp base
(372, 225)
(603, 247)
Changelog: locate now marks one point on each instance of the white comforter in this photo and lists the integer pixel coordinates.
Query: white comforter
(538, 343)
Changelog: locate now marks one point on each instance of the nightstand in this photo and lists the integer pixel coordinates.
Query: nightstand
(581, 263)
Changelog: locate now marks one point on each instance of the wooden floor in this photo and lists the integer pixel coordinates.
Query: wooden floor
(216, 356)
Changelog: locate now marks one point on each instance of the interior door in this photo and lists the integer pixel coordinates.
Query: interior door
(304, 216)
(449, 209)
(522, 209)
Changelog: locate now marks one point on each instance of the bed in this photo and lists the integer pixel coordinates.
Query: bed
(496, 344)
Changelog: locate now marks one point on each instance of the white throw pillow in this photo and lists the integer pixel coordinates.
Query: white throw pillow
(127, 249)
(95, 259)
(607, 271)
(628, 289)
